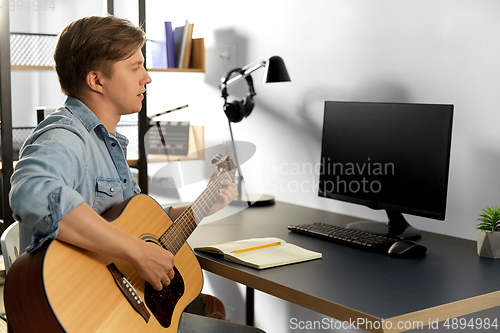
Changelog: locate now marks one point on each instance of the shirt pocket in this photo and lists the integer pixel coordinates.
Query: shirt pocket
(108, 193)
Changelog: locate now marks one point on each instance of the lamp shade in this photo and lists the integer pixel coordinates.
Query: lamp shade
(276, 70)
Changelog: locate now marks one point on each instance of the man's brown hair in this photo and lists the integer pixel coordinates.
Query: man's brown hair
(93, 43)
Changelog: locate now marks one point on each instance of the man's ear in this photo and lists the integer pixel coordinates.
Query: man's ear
(93, 80)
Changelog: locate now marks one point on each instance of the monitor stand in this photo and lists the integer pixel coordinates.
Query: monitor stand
(396, 228)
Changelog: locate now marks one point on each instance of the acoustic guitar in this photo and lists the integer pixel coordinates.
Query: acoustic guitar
(63, 288)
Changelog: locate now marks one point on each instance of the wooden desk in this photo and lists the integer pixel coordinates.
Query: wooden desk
(347, 284)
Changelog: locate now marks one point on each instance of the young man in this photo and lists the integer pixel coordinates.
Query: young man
(73, 167)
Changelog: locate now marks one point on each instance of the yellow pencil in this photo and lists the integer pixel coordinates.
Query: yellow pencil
(256, 247)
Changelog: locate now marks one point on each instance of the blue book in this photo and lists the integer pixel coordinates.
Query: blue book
(170, 41)
(158, 49)
(159, 54)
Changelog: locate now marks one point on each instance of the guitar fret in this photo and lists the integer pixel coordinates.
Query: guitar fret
(181, 229)
(182, 234)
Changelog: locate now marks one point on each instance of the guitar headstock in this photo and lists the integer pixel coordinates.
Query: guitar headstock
(223, 163)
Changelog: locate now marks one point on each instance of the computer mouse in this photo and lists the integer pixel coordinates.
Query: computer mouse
(406, 249)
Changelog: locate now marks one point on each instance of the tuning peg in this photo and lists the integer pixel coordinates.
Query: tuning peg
(216, 159)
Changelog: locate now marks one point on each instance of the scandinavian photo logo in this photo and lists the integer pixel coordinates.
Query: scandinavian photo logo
(346, 177)
(354, 177)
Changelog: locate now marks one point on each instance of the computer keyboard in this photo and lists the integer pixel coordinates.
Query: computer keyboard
(350, 237)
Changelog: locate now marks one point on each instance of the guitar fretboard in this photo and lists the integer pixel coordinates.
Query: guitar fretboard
(183, 227)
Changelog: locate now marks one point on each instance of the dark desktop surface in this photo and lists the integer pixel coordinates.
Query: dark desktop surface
(371, 283)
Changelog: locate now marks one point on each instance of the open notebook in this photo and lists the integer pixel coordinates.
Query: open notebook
(261, 252)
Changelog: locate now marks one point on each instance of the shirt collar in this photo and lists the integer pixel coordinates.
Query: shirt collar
(89, 119)
(80, 110)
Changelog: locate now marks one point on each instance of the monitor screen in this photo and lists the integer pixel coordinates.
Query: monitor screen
(392, 156)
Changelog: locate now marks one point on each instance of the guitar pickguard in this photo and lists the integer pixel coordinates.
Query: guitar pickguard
(162, 303)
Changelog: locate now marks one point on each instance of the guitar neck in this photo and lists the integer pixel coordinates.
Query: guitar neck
(183, 227)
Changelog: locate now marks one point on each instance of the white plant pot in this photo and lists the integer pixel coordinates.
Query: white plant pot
(488, 244)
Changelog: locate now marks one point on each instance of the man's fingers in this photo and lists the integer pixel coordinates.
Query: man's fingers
(157, 286)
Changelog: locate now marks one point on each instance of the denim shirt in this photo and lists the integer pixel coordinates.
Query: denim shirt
(70, 158)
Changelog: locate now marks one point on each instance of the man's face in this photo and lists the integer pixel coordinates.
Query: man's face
(125, 88)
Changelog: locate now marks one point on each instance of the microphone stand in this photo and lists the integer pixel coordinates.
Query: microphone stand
(264, 200)
(240, 175)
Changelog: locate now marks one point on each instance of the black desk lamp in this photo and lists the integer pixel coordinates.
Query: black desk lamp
(275, 71)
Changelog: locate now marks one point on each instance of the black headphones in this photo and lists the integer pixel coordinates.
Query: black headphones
(237, 110)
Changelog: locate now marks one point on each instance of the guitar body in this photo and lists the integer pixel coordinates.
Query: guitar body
(62, 288)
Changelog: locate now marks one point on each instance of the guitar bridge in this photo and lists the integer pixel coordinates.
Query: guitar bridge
(129, 292)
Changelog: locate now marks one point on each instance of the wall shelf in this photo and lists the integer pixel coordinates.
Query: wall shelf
(31, 68)
(178, 70)
(171, 70)
(197, 65)
(7, 151)
(197, 62)
(27, 58)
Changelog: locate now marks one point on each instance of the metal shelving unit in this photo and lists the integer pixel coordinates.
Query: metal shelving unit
(143, 120)
(25, 64)
(5, 118)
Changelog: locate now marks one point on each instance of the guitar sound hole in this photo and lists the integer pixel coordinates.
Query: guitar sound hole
(162, 303)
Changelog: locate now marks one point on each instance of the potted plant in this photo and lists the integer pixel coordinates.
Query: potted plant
(488, 233)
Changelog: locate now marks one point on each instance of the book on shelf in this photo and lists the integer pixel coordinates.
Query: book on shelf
(187, 44)
(182, 46)
(197, 54)
(178, 35)
(175, 48)
(170, 47)
(261, 253)
(159, 51)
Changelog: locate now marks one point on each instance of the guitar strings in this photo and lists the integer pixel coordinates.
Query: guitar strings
(170, 239)
(194, 212)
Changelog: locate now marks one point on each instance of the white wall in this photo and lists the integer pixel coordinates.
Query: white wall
(422, 51)
(397, 51)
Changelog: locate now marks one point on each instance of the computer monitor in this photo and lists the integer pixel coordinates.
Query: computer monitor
(391, 156)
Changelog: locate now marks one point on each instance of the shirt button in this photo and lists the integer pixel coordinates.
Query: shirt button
(125, 180)
(113, 144)
(112, 189)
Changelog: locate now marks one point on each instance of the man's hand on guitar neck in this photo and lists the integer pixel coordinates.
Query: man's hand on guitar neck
(84, 228)
(227, 194)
